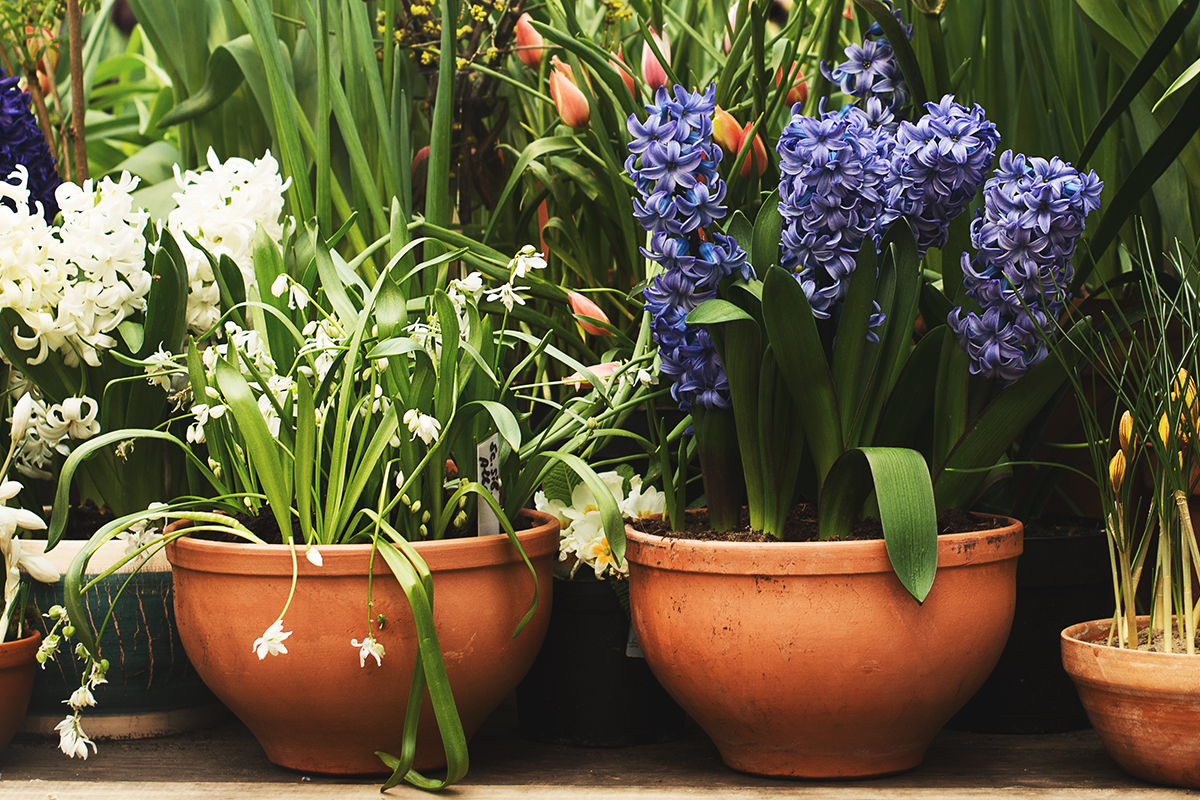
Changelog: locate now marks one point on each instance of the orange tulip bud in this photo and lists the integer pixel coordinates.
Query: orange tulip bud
(1116, 471)
(798, 91)
(570, 103)
(757, 154)
(626, 73)
(652, 72)
(529, 43)
(584, 307)
(848, 13)
(726, 131)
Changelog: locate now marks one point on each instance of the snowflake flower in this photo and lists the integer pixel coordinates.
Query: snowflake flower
(422, 425)
(526, 260)
(71, 738)
(271, 642)
(368, 647)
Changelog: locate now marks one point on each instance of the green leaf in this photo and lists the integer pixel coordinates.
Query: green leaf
(712, 312)
(902, 49)
(222, 78)
(768, 230)
(904, 494)
(741, 230)
(166, 303)
(792, 332)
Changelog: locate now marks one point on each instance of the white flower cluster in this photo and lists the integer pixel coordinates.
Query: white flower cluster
(582, 529)
(220, 209)
(74, 284)
(48, 430)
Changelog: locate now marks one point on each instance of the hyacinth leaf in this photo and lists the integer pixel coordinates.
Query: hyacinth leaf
(899, 295)
(950, 399)
(907, 410)
(852, 345)
(768, 230)
(738, 340)
(223, 77)
(901, 47)
(1147, 65)
(166, 322)
(1184, 79)
(904, 495)
(741, 230)
(792, 332)
(1153, 163)
(994, 430)
(781, 442)
(720, 463)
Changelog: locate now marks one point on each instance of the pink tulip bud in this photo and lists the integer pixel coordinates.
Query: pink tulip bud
(570, 103)
(848, 13)
(757, 154)
(626, 75)
(529, 43)
(584, 307)
(601, 371)
(726, 131)
(652, 72)
(421, 155)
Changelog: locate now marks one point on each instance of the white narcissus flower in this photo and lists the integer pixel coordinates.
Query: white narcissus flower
(366, 648)
(422, 425)
(271, 642)
(71, 738)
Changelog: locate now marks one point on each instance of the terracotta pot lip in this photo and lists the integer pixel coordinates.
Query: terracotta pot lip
(816, 558)
(20, 652)
(352, 559)
(1085, 634)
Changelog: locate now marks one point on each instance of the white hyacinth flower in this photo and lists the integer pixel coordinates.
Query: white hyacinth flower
(271, 642)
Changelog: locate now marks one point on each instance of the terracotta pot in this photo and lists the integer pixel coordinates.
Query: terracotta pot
(17, 668)
(1145, 706)
(809, 659)
(315, 708)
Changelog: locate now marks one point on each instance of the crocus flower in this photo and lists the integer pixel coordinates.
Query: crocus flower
(529, 43)
(652, 71)
(570, 103)
(584, 307)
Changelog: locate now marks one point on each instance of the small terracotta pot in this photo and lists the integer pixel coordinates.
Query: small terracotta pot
(1144, 705)
(810, 659)
(315, 708)
(17, 670)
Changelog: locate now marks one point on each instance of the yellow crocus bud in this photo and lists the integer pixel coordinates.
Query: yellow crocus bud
(1164, 430)
(1116, 471)
(1126, 432)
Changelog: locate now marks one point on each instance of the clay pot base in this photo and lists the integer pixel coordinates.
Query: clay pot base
(1144, 705)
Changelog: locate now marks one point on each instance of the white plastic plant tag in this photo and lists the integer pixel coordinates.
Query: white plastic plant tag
(487, 453)
(632, 648)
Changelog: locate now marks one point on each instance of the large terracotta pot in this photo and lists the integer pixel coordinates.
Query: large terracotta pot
(809, 659)
(1145, 706)
(315, 708)
(17, 668)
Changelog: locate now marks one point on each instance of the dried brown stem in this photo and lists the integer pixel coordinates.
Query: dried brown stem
(78, 109)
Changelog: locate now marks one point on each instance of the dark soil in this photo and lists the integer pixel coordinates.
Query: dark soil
(801, 526)
(85, 520)
(1177, 642)
(1055, 526)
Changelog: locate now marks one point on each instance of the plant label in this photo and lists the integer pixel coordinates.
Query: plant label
(632, 648)
(487, 454)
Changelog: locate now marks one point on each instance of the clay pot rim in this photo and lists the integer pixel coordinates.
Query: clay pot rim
(20, 652)
(246, 558)
(816, 558)
(1086, 634)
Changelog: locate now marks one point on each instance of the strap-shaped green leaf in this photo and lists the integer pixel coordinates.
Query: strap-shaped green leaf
(853, 325)
(991, 433)
(792, 332)
(768, 230)
(904, 494)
